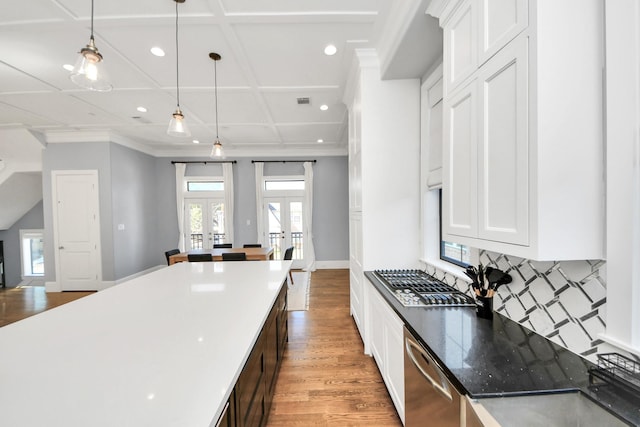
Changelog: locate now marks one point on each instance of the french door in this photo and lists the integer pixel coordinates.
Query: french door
(284, 223)
(204, 223)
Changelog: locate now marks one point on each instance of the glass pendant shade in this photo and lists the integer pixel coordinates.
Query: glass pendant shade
(177, 125)
(89, 71)
(217, 152)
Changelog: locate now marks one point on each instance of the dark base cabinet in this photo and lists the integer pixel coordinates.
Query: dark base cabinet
(228, 417)
(250, 402)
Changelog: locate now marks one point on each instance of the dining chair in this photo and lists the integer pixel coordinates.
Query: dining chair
(167, 254)
(222, 245)
(288, 255)
(234, 256)
(199, 257)
(252, 245)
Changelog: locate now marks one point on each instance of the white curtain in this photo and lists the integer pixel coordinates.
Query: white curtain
(259, 167)
(227, 172)
(309, 251)
(180, 170)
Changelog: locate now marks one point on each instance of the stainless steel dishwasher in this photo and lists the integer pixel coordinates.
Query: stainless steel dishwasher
(430, 399)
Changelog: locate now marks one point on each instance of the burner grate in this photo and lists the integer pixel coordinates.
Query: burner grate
(417, 288)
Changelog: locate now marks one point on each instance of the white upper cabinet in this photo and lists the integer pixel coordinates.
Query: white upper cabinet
(503, 147)
(355, 160)
(460, 164)
(500, 22)
(461, 45)
(474, 31)
(523, 131)
(431, 129)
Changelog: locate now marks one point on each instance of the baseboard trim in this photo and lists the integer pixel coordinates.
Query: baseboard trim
(332, 265)
(105, 284)
(52, 287)
(31, 281)
(138, 274)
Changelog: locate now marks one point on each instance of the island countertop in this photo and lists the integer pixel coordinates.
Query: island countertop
(164, 349)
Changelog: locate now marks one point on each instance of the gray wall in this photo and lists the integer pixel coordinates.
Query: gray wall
(139, 192)
(331, 209)
(33, 219)
(79, 156)
(133, 197)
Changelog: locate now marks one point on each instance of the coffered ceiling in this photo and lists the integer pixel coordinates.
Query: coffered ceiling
(272, 54)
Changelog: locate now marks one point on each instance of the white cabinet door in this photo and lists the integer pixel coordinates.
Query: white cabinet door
(460, 190)
(503, 154)
(431, 112)
(500, 22)
(378, 329)
(395, 361)
(387, 345)
(477, 30)
(460, 45)
(355, 162)
(356, 277)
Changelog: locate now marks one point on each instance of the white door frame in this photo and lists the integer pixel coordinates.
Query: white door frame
(93, 176)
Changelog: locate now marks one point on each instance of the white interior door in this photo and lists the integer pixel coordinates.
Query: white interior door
(204, 223)
(77, 230)
(284, 219)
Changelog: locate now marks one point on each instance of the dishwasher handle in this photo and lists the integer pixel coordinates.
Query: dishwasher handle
(410, 345)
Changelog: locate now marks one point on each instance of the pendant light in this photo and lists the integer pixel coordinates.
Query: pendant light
(89, 72)
(216, 150)
(177, 125)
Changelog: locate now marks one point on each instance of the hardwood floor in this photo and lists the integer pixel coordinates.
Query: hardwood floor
(20, 303)
(325, 379)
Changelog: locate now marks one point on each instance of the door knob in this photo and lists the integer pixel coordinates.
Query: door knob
(60, 247)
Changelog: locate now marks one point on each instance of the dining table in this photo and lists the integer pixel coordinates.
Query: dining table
(253, 254)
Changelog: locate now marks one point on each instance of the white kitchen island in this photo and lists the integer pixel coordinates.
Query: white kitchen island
(164, 349)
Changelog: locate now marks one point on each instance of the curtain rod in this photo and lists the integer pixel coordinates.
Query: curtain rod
(173, 162)
(282, 161)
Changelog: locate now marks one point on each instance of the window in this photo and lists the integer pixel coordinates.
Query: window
(193, 186)
(283, 184)
(32, 252)
(453, 252)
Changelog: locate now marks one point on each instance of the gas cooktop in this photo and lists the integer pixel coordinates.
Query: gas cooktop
(415, 288)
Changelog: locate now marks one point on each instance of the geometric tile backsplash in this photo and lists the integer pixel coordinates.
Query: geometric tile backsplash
(562, 301)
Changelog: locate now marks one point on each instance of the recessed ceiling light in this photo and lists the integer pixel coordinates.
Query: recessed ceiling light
(330, 50)
(320, 141)
(68, 67)
(142, 109)
(324, 107)
(157, 51)
(195, 141)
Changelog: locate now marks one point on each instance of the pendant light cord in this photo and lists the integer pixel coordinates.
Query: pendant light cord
(215, 88)
(177, 61)
(91, 20)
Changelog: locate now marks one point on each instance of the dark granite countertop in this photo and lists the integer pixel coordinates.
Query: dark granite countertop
(499, 357)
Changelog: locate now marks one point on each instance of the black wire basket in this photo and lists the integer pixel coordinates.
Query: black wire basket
(618, 370)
